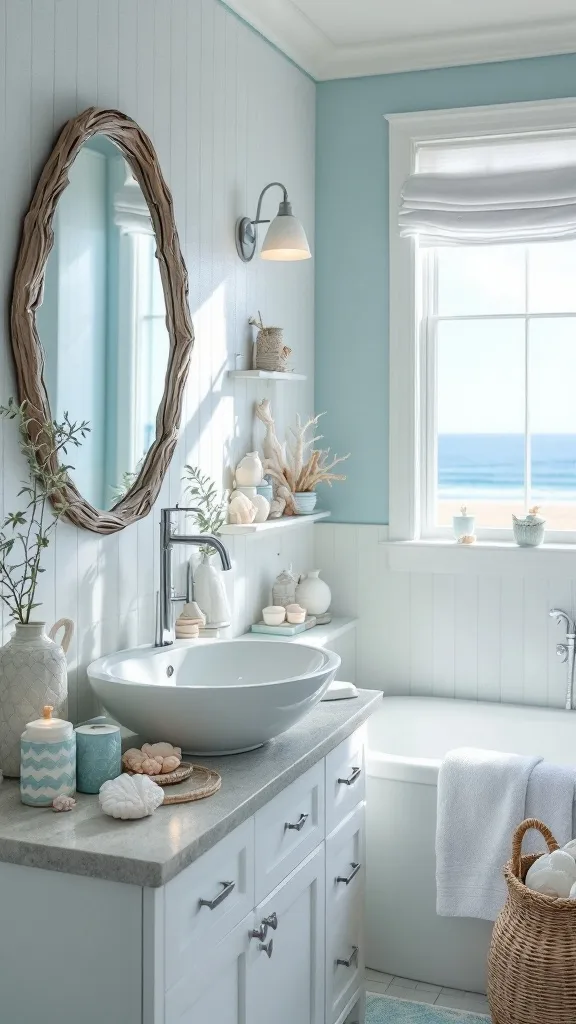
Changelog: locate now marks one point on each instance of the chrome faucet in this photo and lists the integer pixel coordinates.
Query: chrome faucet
(566, 652)
(164, 626)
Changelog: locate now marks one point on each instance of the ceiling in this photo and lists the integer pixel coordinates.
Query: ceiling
(347, 38)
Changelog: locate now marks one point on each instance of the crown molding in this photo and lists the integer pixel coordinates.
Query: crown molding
(286, 27)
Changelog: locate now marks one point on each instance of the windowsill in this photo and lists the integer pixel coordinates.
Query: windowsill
(499, 558)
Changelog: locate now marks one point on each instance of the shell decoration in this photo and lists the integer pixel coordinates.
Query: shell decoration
(554, 875)
(130, 796)
(63, 802)
(152, 759)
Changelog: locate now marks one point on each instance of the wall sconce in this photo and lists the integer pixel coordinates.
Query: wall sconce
(285, 238)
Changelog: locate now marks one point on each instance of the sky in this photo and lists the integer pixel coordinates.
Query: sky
(482, 364)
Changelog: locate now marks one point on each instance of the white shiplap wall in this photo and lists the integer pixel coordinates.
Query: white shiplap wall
(478, 629)
(227, 114)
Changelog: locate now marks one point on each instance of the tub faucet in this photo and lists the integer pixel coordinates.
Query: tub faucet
(164, 631)
(566, 652)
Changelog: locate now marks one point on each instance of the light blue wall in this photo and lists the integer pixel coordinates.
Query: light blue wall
(352, 249)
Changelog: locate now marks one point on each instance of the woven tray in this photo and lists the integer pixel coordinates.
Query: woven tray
(199, 784)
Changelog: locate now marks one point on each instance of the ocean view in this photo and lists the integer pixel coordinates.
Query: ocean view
(492, 466)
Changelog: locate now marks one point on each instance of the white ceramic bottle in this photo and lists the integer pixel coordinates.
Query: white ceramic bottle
(313, 594)
(210, 593)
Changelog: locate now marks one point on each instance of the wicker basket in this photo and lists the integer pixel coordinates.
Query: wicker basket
(532, 959)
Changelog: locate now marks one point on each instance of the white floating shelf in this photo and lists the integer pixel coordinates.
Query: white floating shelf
(267, 374)
(318, 636)
(284, 523)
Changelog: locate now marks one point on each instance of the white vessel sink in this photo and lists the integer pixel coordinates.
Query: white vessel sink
(213, 696)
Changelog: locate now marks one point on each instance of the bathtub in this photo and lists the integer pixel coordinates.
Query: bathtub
(407, 739)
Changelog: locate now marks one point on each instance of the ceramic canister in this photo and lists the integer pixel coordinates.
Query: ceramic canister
(47, 760)
(99, 751)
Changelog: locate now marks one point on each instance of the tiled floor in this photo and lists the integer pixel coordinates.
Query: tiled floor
(419, 992)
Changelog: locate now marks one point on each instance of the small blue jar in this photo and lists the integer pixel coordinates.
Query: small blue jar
(99, 756)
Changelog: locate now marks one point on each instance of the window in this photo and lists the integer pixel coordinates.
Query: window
(499, 427)
(483, 336)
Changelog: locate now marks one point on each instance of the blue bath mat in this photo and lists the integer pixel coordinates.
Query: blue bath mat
(386, 1010)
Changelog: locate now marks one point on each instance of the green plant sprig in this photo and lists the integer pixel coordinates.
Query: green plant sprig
(26, 533)
(201, 489)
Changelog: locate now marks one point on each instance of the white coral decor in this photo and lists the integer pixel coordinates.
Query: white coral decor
(130, 796)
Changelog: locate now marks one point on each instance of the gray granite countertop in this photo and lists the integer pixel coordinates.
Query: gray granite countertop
(151, 851)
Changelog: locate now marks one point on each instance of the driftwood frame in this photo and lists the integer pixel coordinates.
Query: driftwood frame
(35, 246)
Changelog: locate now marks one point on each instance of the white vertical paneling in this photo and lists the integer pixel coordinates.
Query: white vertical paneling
(421, 645)
(466, 637)
(483, 637)
(535, 645)
(512, 637)
(208, 91)
(443, 640)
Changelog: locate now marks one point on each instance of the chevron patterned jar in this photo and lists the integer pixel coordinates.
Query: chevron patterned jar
(48, 760)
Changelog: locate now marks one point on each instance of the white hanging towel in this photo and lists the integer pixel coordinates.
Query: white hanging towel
(481, 800)
(550, 798)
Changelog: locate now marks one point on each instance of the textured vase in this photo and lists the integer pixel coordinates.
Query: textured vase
(313, 594)
(210, 593)
(32, 674)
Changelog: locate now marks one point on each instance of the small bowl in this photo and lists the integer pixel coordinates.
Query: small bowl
(274, 615)
(305, 502)
(295, 614)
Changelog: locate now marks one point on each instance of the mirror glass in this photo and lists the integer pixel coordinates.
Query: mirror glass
(102, 321)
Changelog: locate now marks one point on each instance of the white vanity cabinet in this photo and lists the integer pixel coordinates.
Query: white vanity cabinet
(297, 956)
(265, 926)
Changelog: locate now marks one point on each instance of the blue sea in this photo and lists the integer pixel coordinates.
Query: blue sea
(492, 466)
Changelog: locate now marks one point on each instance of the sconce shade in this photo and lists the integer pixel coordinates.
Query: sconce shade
(285, 240)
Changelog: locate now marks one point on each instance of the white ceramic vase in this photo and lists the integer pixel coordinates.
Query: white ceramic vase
(313, 594)
(210, 593)
(33, 674)
(249, 471)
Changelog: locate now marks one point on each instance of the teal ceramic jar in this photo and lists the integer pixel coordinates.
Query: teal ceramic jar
(99, 755)
(47, 760)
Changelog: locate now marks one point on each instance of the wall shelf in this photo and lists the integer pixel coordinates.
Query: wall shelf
(318, 636)
(284, 523)
(266, 375)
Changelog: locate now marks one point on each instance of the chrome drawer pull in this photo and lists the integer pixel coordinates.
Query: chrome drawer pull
(260, 933)
(267, 948)
(353, 956)
(299, 824)
(356, 773)
(212, 904)
(271, 921)
(353, 873)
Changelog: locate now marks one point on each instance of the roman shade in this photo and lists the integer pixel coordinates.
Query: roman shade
(491, 191)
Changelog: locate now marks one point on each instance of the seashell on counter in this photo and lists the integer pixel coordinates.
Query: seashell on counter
(130, 796)
(63, 802)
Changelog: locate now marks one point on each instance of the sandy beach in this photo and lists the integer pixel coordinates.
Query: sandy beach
(498, 514)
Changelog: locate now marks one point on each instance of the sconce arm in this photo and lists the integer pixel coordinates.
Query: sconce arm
(273, 184)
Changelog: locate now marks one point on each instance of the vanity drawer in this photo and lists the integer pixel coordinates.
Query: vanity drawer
(345, 778)
(289, 828)
(345, 890)
(207, 900)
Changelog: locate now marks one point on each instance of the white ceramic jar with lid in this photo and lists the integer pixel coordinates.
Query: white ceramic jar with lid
(47, 760)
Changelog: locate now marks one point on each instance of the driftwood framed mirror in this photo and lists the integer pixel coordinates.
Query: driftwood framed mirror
(100, 324)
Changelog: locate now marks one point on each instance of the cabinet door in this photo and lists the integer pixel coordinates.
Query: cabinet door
(214, 990)
(286, 979)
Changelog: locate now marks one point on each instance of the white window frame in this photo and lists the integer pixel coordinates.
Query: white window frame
(409, 444)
